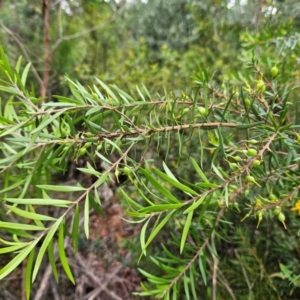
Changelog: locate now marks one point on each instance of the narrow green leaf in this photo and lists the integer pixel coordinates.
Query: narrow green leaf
(39, 201)
(25, 73)
(226, 195)
(101, 180)
(8, 268)
(20, 226)
(143, 236)
(96, 205)
(28, 273)
(186, 228)
(207, 185)
(103, 158)
(97, 198)
(44, 246)
(29, 215)
(157, 228)
(199, 171)
(12, 248)
(192, 282)
(18, 64)
(62, 253)
(86, 216)
(194, 205)
(12, 186)
(51, 257)
(161, 207)
(114, 145)
(46, 121)
(93, 110)
(217, 172)
(186, 286)
(108, 90)
(168, 172)
(61, 188)
(129, 200)
(250, 125)
(75, 229)
(89, 171)
(202, 268)
(175, 183)
(154, 279)
(6, 121)
(159, 187)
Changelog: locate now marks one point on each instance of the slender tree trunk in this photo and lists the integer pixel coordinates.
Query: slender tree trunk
(44, 89)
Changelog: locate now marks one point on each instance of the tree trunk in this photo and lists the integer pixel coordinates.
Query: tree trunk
(44, 89)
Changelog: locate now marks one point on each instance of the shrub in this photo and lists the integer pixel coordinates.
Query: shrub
(212, 175)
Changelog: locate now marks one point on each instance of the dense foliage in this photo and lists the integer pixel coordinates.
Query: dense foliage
(192, 119)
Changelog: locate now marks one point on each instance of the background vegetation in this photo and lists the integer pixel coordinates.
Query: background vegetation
(179, 116)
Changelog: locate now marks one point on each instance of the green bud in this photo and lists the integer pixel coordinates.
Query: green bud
(276, 211)
(87, 145)
(252, 141)
(281, 218)
(81, 151)
(251, 179)
(256, 163)
(251, 152)
(247, 102)
(202, 111)
(127, 170)
(185, 111)
(236, 158)
(88, 134)
(261, 86)
(274, 71)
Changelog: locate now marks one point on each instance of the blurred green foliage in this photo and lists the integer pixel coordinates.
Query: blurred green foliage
(175, 48)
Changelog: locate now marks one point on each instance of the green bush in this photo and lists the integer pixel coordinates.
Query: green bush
(212, 175)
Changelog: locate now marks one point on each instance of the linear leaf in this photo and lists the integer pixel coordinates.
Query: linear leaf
(159, 187)
(101, 180)
(29, 215)
(21, 226)
(86, 216)
(25, 73)
(129, 200)
(28, 273)
(47, 121)
(194, 205)
(158, 228)
(89, 171)
(108, 90)
(18, 259)
(202, 268)
(143, 237)
(44, 246)
(199, 171)
(61, 188)
(161, 207)
(217, 172)
(51, 257)
(96, 205)
(39, 201)
(12, 248)
(75, 229)
(62, 253)
(186, 286)
(168, 172)
(186, 228)
(175, 183)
